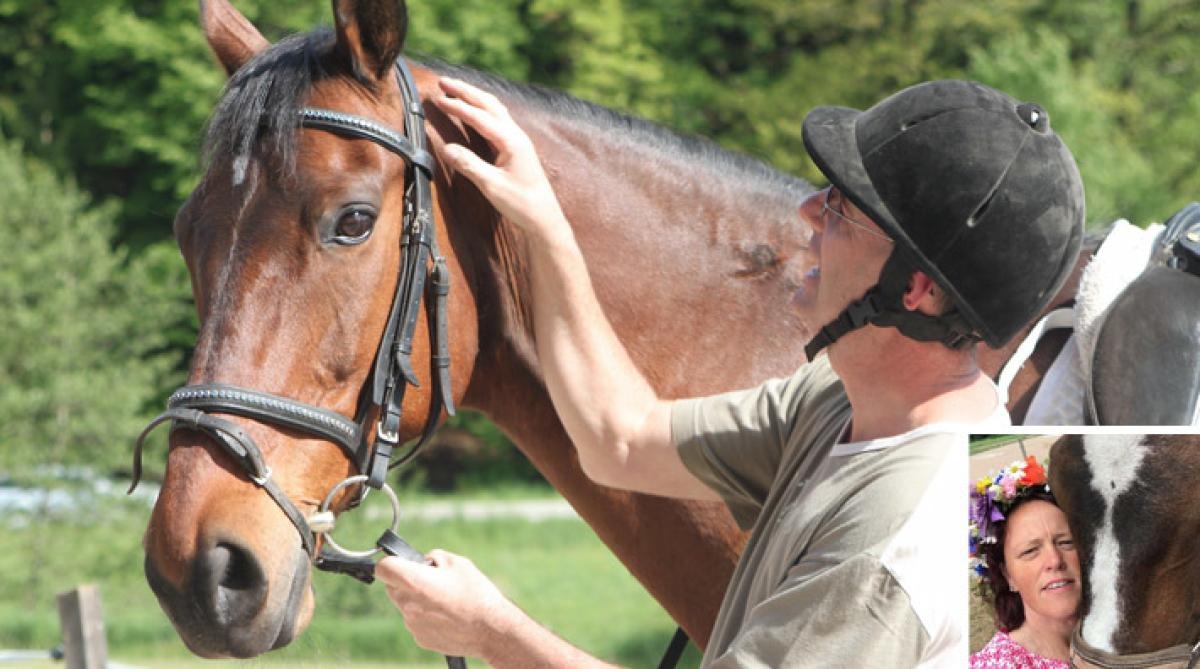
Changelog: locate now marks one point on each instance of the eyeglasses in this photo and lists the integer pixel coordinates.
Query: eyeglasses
(834, 196)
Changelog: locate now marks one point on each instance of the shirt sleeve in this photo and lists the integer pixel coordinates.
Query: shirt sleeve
(735, 442)
(853, 614)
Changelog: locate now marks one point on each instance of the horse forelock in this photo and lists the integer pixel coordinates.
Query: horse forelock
(260, 103)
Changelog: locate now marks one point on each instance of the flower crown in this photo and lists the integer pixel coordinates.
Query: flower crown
(992, 497)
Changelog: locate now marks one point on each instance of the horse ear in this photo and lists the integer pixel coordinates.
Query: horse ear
(370, 33)
(230, 35)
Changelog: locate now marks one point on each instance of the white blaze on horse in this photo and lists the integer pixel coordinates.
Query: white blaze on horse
(1130, 502)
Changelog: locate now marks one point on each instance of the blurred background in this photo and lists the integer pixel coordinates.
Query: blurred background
(102, 108)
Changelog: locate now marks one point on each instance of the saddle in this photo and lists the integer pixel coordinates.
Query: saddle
(1145, 368)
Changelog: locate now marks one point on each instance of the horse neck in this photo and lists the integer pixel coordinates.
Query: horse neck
(665, 223)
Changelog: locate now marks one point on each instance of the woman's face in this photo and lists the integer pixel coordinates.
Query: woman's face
(1040, 561)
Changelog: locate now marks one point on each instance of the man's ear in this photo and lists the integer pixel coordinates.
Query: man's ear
(922, 294)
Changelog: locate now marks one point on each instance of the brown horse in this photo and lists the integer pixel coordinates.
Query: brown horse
(1129, 500)
(694, 253)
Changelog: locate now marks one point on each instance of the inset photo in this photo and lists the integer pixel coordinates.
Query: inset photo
(1082, 551)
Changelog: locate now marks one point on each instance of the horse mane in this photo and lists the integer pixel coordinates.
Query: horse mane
(261, 100)
(624, 130)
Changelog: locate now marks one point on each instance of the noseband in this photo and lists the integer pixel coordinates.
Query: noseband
(1083, 656)
(191, 407)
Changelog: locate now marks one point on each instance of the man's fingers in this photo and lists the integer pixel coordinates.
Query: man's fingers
(473, 95)
(479, 171)
(398, 572)
(441, 558)
(487, 124)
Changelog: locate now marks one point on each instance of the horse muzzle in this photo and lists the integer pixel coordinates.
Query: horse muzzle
(229, 606)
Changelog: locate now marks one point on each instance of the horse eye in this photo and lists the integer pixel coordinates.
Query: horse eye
(354, 226)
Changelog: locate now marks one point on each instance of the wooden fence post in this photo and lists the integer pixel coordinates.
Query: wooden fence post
(82, 621)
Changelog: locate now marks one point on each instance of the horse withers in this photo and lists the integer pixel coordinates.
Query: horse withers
(1130, 502)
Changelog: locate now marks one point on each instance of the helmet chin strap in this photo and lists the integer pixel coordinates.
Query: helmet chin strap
(883, 305)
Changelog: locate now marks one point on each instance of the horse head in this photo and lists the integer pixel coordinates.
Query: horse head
(293, 243)
(1128, 500)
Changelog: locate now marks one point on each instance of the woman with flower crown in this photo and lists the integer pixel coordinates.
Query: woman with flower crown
(1024, 557)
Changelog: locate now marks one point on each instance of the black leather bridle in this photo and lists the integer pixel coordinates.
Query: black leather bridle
(192, 407)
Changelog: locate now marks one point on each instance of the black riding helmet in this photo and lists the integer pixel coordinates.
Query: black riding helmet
(977, 191)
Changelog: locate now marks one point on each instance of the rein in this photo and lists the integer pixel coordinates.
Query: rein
(191, 407)
(1083, 656)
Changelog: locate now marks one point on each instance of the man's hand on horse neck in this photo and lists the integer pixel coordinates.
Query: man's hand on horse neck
(617, 422)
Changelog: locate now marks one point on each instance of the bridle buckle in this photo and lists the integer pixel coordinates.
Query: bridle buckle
(261, 481)
(388, 436)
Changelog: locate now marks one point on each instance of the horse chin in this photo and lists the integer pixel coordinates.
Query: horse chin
(213, 627)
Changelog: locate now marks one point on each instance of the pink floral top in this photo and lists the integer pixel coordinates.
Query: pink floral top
(1004, 653)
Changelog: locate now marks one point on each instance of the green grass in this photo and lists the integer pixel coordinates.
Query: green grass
(556, 570)
(987, 443)
(503, 491)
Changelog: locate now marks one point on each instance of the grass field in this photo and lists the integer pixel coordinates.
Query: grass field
(555, 569)
(981, 444)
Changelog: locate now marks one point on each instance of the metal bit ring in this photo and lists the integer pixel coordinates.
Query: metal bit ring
(359, 478)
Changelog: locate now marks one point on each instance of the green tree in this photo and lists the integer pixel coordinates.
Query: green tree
(84, 348)
(114, 93)
(1118, 178)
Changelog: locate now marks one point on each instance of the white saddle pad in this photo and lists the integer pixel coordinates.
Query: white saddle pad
(1060, 398)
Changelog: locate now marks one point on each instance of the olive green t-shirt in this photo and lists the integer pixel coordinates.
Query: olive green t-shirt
(853, 561)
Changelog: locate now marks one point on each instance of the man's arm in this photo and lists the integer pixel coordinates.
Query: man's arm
(617, 422)
(452, 608)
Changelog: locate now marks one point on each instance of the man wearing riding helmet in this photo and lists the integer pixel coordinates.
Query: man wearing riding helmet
(953, 216)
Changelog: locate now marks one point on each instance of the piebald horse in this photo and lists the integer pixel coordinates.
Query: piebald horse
(694, 252)
(1129, 500)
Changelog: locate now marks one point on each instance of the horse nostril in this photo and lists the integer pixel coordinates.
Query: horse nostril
(235, 582)
(238, 569)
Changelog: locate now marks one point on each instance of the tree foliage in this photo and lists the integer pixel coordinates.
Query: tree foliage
(113, 95)
(116, 93)
(85, 344)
